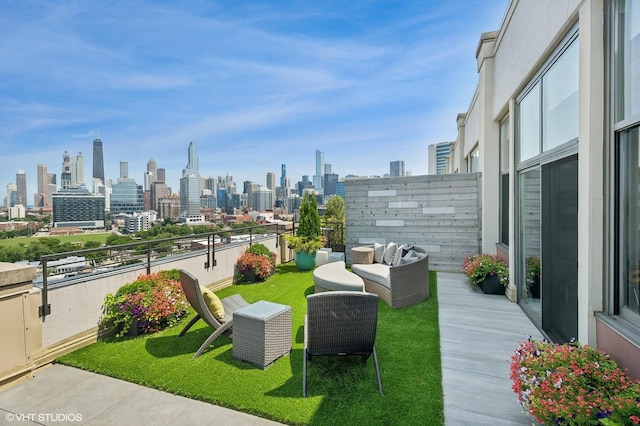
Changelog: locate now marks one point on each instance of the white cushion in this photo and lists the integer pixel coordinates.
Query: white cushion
(376, 272)
(398, 255)
(378, 252)
(389, 252)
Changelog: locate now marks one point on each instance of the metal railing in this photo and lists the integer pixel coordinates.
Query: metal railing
(64, 268)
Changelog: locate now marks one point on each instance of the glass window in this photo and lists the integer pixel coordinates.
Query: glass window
(629, 222)
(529, 114)
(628, 61)
(504, 181)
(530, 242)
(504, 145)
(560, 100)
(474, 160)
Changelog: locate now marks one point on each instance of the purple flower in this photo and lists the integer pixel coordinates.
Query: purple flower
(603, 414)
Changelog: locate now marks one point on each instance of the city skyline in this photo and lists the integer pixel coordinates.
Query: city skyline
(360, 82)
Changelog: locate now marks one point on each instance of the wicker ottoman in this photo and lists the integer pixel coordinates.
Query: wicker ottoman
(362, 255)
(262, 333)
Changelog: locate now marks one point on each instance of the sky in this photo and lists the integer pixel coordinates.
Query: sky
(255, 84)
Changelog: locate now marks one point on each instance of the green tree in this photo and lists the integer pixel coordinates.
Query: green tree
(309, 226)
(334, 210)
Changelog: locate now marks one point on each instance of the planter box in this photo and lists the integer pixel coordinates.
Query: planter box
(491, 285)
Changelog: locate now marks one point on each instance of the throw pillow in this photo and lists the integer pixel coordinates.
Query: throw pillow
(378, 252)
(389, 252)
(213, 302)
(398, 255)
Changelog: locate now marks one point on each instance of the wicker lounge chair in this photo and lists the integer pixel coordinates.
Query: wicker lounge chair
(340, 323)
(191, 289)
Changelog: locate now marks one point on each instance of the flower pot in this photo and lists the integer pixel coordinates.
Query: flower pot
(491, 285)
(249, 276)
(305, 261)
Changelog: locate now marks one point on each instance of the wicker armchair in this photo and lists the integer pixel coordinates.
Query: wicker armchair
(191, 289)
(340, 323)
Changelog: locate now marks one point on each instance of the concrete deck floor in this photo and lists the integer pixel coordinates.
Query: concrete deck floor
(478, 334)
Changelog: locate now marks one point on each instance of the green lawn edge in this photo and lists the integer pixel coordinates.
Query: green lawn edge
(344, 389)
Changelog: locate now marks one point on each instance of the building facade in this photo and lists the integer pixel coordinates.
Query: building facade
(396, 168)
(126, 197)
(554, 128)
(98, 160)
(77, 208)
(190, 186)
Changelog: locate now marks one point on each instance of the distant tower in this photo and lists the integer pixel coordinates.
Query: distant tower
(43, 195)
(21, 188)
(283, 175)
(98, 161)
(271, 184)
(79, 170)
(396, 168)
(67, 171)
(190, 185)
(124, 169)
(152, 168)
(161, 175)
(12, 196)
(318, 177)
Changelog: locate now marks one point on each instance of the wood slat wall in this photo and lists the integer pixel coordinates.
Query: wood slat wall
(439, 212)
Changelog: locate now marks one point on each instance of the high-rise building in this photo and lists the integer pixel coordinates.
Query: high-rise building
(271, 184)
(21, 187)
(328, 169)
(78, 171)
(396, 168)
(67, 171)
(161, 175)
(190, 186)
(124, 170)
(76, 207)
(438, 156)
(12, 196)
(126, 197)
(261, 199)
(152, 169)
(40, 198)
(158, 190)
(318, 177)
(283, 176)
(98, 161)
(330, 181)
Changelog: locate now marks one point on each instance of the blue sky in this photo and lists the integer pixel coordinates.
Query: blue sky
(255, 84)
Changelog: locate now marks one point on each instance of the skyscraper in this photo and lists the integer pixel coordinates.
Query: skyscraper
(283, 175)
(396, 168)
(190, 186)
(271, 184)
(67, 170)
(161, 175)
(21, 187)
(98, 161)
(318, 177)
(124, 169)
(39, 199)
(78, 171)
(152, 168)
(12, 196)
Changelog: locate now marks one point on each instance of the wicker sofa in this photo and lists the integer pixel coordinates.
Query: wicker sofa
(400, 283)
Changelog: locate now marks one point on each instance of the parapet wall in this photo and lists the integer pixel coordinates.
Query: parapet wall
(441, 213)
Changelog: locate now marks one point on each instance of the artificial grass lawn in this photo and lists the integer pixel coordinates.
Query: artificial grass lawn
(339, 389)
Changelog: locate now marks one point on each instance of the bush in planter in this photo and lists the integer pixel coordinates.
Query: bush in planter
(308, 238)
(574, 385)
(150, 303)
(258, 261)
(479, 267)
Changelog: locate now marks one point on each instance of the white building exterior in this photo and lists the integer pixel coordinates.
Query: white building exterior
(554, 129)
